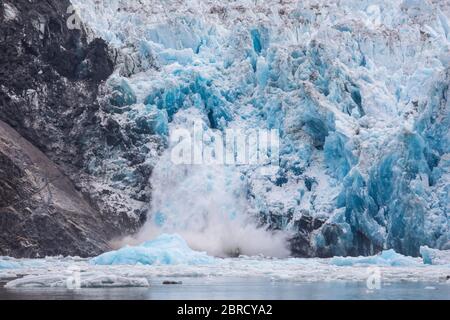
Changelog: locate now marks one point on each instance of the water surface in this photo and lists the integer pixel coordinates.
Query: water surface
(240, 289)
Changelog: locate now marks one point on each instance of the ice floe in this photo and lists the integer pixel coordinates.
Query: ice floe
(88, 280)
(169, 257)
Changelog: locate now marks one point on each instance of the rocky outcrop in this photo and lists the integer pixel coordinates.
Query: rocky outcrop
(301, 243)
(50, 77)
(41, 212)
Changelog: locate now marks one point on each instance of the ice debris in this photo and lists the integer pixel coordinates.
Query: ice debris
(86, 280)
(435, 257)
(385, 258)
(7, 263)
(164, 250)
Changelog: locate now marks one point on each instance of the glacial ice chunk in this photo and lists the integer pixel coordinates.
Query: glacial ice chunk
(86, 280)
(385, 258)
(178, 35)
(152, 120)
(164, 250)
(11, 263)
(123, 95)
(338, 157)
(5, 264)
(434, 256)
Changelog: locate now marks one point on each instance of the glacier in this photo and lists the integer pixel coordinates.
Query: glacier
(358, 91)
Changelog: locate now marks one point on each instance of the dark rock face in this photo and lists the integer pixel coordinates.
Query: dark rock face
(301, 243)
(41, 213)
(50, 78)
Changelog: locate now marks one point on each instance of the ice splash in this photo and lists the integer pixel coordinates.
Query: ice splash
(208, 206)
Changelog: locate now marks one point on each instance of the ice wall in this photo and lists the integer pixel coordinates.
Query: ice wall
(358, 90)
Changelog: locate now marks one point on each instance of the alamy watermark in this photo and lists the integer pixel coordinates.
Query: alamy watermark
(232, 147)
(74, 20)
(373, 281)
(73, 281)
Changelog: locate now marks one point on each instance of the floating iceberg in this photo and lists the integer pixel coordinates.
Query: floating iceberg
(86, 280)
(164, 250)
(385, 258)
(435, 257)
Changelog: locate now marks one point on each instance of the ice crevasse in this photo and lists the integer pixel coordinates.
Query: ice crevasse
(357, 89)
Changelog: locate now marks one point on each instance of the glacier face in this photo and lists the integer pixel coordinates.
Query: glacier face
(357, 89)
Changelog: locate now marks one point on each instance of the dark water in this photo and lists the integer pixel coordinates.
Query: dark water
(239, 289)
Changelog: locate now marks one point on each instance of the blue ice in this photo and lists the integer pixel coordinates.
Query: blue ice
(167, 249)
(385, 258)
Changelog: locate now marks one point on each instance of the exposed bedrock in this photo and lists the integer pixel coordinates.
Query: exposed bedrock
(49, 83)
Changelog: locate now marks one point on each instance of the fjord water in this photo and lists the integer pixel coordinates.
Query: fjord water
(242, 289)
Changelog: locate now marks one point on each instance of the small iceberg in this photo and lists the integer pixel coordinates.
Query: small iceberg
(434, 256)
(385, 258)
(164, 250)
(86, 280)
